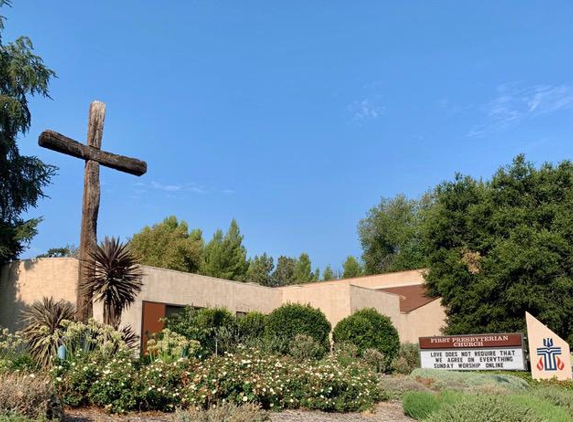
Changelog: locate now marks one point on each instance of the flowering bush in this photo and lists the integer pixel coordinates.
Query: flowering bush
(280, 382)
(274, 382)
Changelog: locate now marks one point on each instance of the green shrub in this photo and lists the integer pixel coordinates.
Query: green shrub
(345, 353)
(394, 387)
(43, 332)
(252, 325)
(304, 347)
(13, 353)
(375, 360)
(419, 405)
(469, 381)
(484, 408)
(407, 359)
(285, 322)
(29, 396)
(368, 329)
(15, 418)
(214, 328)
(544, 410)
(555, 395)
(226, 413)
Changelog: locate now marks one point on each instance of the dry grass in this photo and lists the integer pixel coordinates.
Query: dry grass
(30, 396)
(226, 413)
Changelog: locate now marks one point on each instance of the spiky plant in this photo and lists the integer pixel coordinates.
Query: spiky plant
(115, 279)
(43, 327)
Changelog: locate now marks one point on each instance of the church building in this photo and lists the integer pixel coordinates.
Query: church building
(400, 295)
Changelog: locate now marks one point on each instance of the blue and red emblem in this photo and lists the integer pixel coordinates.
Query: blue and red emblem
(549, 360)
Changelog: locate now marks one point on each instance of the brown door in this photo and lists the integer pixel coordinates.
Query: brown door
(153, 312)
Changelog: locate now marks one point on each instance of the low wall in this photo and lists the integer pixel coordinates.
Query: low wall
(23, 282)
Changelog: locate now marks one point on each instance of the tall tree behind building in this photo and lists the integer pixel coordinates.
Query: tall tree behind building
(260, 270)
(352, 268)
(225, 256)
(303, 270)
(500, 248)
(22, 178)
(169, 244)
(284, 272)
(390, 235)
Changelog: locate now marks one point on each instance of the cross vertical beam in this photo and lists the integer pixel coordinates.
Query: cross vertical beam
(90, 209)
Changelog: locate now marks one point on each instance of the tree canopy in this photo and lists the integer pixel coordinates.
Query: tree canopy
(390, 235)
(225, 256)
(169, 244)
(352, 268)
(22, 178)
(498, 248)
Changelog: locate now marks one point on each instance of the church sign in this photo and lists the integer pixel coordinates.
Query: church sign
(473, 352)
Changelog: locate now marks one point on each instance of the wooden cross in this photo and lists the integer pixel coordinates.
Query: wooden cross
(93, 156)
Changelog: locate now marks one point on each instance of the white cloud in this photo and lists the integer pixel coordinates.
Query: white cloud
(366, 109)
(166, 188)
(515, 103)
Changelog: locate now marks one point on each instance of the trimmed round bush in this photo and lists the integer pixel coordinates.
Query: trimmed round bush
(252, 325)
(368, 329)
(285, 322)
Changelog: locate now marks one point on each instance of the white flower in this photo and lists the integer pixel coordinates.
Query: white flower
(245, 398)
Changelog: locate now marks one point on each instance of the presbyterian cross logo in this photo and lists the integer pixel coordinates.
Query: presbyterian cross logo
(549, 356)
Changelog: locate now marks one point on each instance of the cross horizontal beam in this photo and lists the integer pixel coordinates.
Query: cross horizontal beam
(60, 143)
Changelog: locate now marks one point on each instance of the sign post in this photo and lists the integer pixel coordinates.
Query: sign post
(473, 352)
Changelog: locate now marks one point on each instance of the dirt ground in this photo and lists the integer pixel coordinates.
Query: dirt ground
(385, 412)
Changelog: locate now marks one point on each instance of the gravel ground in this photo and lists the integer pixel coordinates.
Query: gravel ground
(385, 412)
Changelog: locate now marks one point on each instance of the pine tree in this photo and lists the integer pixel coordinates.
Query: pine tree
(303, 269)
(225, 256)
(260, 270)
(22, 178)
(328, 274)
(284, 273)
(352, 268)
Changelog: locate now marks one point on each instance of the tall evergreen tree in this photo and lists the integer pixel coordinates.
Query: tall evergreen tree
(352, 268)
(22, 178)
(225, 256)
(328, 274)
(303, 269)
(284, 272)
(169, 244)
(260, 270)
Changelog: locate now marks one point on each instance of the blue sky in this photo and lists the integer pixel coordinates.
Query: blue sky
(293, 117)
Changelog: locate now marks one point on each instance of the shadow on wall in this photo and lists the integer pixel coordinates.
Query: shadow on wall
(11, 307)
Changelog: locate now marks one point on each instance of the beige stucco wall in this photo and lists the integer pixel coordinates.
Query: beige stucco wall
(427, 320)
(178, 288)
(330, 297)
(379, 281)
(23, 282)
(386, 303)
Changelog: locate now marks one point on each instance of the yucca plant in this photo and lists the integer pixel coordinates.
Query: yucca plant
(43, 327)
(115, 279)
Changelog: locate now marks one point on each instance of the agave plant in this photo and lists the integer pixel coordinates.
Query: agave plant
(115, 279)
(43, 327)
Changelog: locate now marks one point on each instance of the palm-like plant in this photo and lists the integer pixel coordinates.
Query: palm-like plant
(115, 279)
(43, 327)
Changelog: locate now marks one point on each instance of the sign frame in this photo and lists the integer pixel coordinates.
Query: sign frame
(520, 344)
